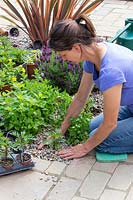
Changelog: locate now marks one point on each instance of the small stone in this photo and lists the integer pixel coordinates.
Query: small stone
(46, 173)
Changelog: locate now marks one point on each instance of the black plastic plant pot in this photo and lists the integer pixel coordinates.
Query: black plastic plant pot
(7, 163)
(15, 165)
(14, 32)
(37, 44)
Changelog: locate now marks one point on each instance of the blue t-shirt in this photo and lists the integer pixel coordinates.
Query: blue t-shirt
(116, 67)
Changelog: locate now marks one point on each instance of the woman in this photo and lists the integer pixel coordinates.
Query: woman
(110, 67)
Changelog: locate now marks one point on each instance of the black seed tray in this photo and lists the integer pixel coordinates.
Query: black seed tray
(17, 167)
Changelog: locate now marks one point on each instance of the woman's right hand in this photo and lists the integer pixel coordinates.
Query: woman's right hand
(64, 126)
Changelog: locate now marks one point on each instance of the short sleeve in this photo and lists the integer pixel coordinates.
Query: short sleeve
(88, 67)
(110, 77)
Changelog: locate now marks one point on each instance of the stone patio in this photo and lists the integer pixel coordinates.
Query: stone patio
(85, 178)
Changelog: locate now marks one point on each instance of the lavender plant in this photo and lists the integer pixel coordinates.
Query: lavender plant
(65, 75)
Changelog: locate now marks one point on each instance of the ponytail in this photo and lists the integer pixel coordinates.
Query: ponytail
(68, 32)
(84, 21)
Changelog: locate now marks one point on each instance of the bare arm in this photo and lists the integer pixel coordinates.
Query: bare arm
(111, 108)
(78, 101)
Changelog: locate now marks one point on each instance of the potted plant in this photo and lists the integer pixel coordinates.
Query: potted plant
(8, 52)
(5, 144)
(9, 75)
(22, 139)
(20, 113)
(31, 62)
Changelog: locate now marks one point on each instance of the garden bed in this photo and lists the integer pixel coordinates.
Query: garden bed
(22, 41)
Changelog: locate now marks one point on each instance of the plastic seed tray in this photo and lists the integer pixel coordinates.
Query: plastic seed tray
(17, 167)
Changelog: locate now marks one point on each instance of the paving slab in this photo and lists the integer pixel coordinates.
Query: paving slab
(79, 168)
(27, 185)
(130, 195)
(105, 167)
(56, 168)
(41, 165)
(113, 195)
(122, 177)
(78, 198)
(94, 184)
(64, 190)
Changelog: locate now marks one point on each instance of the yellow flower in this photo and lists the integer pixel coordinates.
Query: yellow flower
(14, 79)
(22, 70)
(34, 51)
(10, 60)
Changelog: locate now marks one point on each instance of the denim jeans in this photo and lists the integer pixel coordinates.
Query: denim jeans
(120, 139)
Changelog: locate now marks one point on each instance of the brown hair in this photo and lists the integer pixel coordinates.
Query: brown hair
(67, 32)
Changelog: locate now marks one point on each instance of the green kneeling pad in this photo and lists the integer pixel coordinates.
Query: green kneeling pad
(108, 157)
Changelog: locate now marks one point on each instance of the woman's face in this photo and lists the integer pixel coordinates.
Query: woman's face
(73, 55)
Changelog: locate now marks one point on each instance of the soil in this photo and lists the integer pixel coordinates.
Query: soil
(6, 162)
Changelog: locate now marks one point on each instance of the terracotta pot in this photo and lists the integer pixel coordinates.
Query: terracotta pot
(24, 158)
(30, 70)
(7, 163)
(3, 32)
(5, 88)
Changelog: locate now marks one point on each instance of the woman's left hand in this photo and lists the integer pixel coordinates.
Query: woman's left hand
(74, 152)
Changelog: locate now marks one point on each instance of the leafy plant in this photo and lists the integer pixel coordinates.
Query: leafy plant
(20, 112)
(9, 74)
(5, 144)
(54, 140)
(33, 57)
(40, 15)
(22, 139)
(8, 52)
(64, 75)
(78, 131)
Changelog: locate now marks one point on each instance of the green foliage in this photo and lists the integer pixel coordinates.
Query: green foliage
(38, 16)
(65, 75)
(78, 131)
(21, 140)
(8, 52)
(5, 144)
(9, 74)
(54, 140)
(20, 112)
(32, 57)
(33, 104)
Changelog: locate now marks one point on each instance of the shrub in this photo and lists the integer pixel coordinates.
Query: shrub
(8, 52)
(79, 129)
(38, 16)
(65, 75)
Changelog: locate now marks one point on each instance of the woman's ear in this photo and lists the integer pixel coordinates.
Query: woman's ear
(77, 47)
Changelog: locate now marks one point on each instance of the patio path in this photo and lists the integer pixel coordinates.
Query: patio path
(85, 178)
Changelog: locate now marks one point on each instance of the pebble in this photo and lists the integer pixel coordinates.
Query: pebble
(46, 173)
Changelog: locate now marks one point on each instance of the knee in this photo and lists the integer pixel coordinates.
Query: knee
(95, 122)
(91, 133)
(102, 148)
